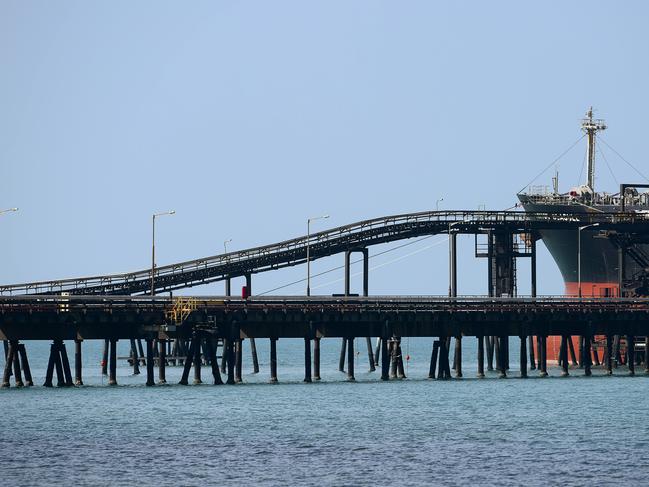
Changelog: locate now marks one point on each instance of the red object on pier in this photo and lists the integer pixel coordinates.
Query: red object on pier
(244, 292)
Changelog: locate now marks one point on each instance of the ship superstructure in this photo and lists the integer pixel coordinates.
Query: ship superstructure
(588, 260)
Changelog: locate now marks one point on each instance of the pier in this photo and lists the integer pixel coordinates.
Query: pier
(208, 323)
(206, 329)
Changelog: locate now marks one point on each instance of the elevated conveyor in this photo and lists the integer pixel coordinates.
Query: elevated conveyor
(329, 242)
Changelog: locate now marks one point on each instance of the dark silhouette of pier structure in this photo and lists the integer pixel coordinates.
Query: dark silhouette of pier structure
(117, 307)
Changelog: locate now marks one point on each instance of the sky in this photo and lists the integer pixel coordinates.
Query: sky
(247, 118)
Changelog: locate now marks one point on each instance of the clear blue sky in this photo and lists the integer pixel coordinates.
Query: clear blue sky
(249, 117)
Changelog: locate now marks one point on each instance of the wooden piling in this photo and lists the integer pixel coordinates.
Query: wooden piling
(444, 370)
(530, 344)
(458, 357)
(316, 358)
(497, 353)
(238, 360)
(198, 339)
(350, 359)
(9, 360)
(273, 359)
(385, 359)
(523, 357)
(112, 366)
(646, 355)
(184, 378)
(341, 361)
(141, 357)
(587, 356)
(490, 353)
(66, 365)
(224, 356)
(480, 356)
(370, 354)
(104, 358)
(401, 373)
(18, 378)
(135, 358)
(149, 362)
(617, 358)
(564, 354)
(502, 345)
(543, 356)
(255, 360)
(50, 367)
(211, 351)
(595, 352)
(609, 354)
(307, 359)
(78, 381)
(433, 359)
(162, 361)
(571, 347)
(630, 353)
(25, 365)
(377, 351)
(60, 379)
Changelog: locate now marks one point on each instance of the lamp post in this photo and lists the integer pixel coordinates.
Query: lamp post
(308, 253)
(579, 255)
(8, 210)
(225, 245)
(172, 212)
(437, 203)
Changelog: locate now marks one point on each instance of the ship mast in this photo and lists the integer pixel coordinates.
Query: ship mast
(591, 126)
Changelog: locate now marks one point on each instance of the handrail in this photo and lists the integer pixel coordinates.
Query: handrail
(372, 230)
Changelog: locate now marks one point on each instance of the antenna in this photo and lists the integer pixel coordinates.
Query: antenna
(591, 125)
(555, 182)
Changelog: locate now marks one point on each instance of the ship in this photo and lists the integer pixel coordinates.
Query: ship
(588, 258)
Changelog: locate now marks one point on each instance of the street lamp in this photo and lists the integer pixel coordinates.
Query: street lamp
(437, 203)
(8, 210)
(308, 253)
(172, 212)
(225, 245)
(579, 255)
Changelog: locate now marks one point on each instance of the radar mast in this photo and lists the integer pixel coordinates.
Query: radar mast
(591, 126)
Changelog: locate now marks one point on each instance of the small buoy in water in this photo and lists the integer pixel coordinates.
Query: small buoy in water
(407, 358)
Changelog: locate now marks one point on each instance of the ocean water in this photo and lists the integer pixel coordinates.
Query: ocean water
(552, 431)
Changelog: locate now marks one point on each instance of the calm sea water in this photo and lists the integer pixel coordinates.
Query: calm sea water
(571, 431)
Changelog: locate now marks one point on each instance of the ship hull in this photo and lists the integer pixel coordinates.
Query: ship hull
(599, 273)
